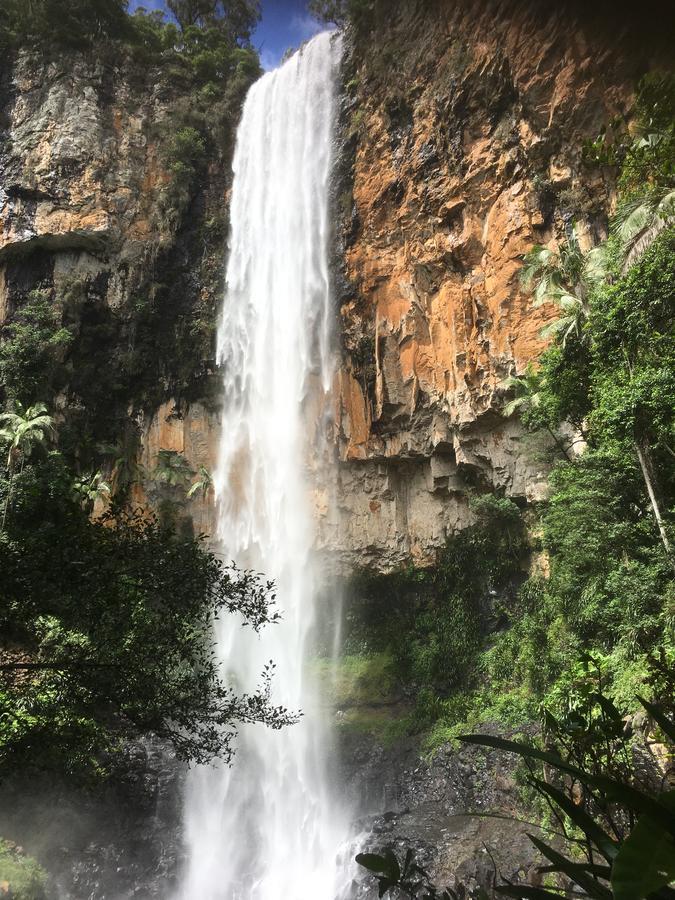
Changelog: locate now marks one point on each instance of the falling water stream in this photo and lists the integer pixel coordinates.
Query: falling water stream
(268, 827)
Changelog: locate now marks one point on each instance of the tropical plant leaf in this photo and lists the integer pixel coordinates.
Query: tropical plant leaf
(372, 861)
(573, 871)
(666, 726)
(384, 864)
(526, 892)
(581, 818)
(631, 797)
(646, 861)
(590, 868)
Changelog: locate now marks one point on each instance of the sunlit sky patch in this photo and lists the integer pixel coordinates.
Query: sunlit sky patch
(285, 23)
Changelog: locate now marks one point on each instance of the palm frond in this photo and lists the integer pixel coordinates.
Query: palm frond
(536, 262)
(513, 405)
(596, 265)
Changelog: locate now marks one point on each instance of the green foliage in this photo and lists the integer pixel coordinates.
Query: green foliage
(205, 26)
(407, 878)
(184, 155)
(73, 24)
(431, 621)
(21, 877)
(172, 469)
(339, 12)
(236, 18)
(650, 159)
(21, 432)
(647, 157)
(113, 617)
(90, 488)
(355, 679)
(633, 340)
(202, 486)
(608, 525)
(611, 819)
(606, 807)
(610, 588)
(647, 168)
(32, 349)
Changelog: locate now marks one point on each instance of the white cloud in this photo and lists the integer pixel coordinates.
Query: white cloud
(304, 27)
(269, 60)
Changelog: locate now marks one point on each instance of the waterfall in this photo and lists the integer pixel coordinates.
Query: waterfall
(268, 827)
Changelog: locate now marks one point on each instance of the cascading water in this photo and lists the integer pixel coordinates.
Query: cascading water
(267, 827)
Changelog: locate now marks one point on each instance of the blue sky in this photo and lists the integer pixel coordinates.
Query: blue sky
(285, 23)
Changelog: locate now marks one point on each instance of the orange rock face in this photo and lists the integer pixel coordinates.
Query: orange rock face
(464, 125)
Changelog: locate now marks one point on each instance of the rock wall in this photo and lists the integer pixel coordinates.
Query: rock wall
(94, 218)
(463, 126)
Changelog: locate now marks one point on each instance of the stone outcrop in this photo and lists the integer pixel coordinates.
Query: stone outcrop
(94, 219)
(463, 126)
(120, 839)
(435, 808)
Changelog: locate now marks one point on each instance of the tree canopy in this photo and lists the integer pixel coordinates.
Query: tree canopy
(107, 633)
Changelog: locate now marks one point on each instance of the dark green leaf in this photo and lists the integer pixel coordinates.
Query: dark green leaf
(526, 892)
(572, 870)
(581, 818)
(607, 707)
(631, 797)
(666, 726)
(372, 861)
(590, 868)
(646, 860)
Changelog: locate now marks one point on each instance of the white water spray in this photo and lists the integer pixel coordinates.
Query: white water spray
(267, 827)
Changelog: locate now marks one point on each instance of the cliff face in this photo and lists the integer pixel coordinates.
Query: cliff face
(463, 128)
(113, 208)
(461, 141)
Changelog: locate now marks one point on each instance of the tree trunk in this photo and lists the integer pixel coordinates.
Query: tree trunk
(9, 497)
(645, 464)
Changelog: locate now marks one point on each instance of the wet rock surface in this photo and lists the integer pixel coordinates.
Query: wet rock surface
(117, 841)
(437, 807)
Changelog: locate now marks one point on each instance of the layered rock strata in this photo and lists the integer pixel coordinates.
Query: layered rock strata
(463, 133)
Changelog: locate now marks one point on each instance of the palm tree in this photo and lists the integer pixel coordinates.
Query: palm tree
(172, 469)
(564, 277)
(90, 488)
(527, 389)
(203, 484)
(639, 221)
(23, 430)
(122, 458)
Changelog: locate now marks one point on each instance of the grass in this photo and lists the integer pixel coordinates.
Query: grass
(356, 680)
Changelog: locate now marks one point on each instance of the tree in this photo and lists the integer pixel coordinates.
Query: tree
(203, 484)
(23, 430)
(639, 221)
(90, 488)
(528, 390)
(564, 277)
(71, 23)
(114, 618)
(236, 18)
(633, 337)
(122, 458)
(172, 469)
(339, 12)
(32, 350)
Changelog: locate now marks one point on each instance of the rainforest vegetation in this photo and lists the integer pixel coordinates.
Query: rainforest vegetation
(476, 637)
(562, 614)
(577, 647)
